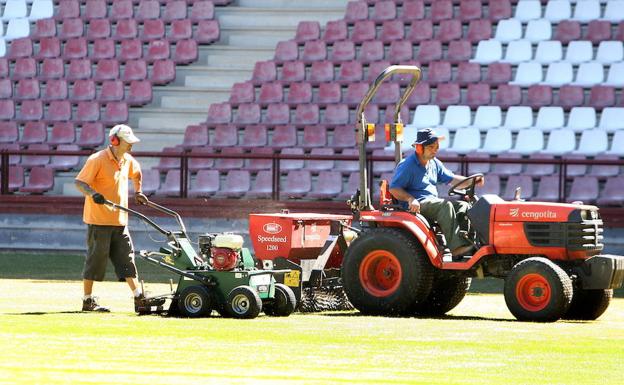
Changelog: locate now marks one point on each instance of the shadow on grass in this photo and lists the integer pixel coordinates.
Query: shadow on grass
(445, 317)
(49, 312)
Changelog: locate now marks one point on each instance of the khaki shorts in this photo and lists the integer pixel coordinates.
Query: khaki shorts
(104, 242)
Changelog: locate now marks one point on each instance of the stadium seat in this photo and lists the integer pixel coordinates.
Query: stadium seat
(314, 51)
(40, 180)
(584, 189)
(478, 30)
(612, 193)
(335, 30)
(262, 186)
(34, 132)
(7, 109)
(291, 164)
(538, 30)
(237, 183)
(230, 163)
(449, 30)
(121, 9)
(202, 10)
(392, 30)
(541, 169)
(65, 162)
(264, 71)
(586, 11)
(581, 118)
(270, 93)
(498, 73)
(293, 71)
(506, 169)
(206, 184)
(426, 116)
(529, 141)
(593, 142)
(479, 167)
(468, 73)
(185, 51)
(29, 161)
(306, 114)
(344, 137)
(126, 28)
(459, 51)
(103, 49)
(174, 10)
(284, 136)
(428, 51)
(478, 94)
(83, 90)
(488, 51)
(617, 144)
(327, 186)
(297, 184)
(441, 10)
(51, 69)
(207, 31)
(95, 9)
(497, 140)
(560, 142)
(518, 51)
(139, 93)
(9, 132)
(277, 113)
(347, 166)
(316, 165)
(539, 96)
(195, 135)
(447, 94)
(322, 71)
(420, 30)
(348, 72)
(91, 135)
(254, 136)
(370, 51)
(524, 182)
(171, 186)
(602, 96)
(147, 9)
(487, 117)
(567, 31)
(613, 11)
(508, 95)
(30, 110)
(343, 51)
(219, 113)
(589, 74)
(610, 52)
(597, 31)
(570, 97)
(550, 118)
(547, 189)
(201, 163)
(363, 30)
(62, 133)
(134, 70)
(558, 74)
(579, 51)
(439, 72)
(548, 51)
(41, 9)
(508, 30)
(336, 114)
(27, 89)
(573, 170)
(615, 76)
(612, 119)
(286, 51)
(499, 10)
(466, 140)
(16, 178)
(529, 73)
(558, 10)
(528, 10)
(111, 90)
(115, 112)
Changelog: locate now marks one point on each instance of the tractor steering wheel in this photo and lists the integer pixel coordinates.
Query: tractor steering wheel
(467, 191)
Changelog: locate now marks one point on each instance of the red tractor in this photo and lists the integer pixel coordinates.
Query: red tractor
(547, 253)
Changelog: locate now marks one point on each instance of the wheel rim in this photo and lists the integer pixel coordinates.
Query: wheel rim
(533, 292)
(380, 273)
(240, 304)
(193, 303)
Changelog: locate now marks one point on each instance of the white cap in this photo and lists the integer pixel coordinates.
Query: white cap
(124, 132)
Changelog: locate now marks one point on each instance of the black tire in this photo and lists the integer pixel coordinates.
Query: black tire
(588, 305)
(194, 302)
(283, 304)
(446, 293)
(244, 302)
(538, 290)
(385, 271)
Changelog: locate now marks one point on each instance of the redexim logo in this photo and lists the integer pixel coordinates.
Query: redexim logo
(272, 228)
(272, 238)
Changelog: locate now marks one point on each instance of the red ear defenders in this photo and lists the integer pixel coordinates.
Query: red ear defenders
(114, 140)
(420, 149)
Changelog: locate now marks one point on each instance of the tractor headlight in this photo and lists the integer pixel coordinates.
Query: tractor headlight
(262, 288)
(260, 280)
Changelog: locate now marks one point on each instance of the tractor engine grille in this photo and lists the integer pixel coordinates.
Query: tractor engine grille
(586, 235)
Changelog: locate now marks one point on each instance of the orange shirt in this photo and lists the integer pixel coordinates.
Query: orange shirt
(110, 178)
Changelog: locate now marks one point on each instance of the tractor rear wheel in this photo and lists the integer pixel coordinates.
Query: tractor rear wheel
(385, 271)
(446, 293)
(538, 290)
(283, 304)
(588, 305)
(194, 302)
(244, 302)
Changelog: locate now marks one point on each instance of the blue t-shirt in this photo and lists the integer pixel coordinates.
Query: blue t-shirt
(420, 181)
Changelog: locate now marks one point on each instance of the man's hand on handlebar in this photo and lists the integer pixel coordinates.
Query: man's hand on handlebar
(414, 206)
(480, 181)
(141, 199)
(98, 198)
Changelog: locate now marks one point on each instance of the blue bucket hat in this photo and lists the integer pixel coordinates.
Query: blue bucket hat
(427, 136)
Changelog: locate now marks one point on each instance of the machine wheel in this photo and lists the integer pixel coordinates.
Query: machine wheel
(385, 271)
(588, 305)
(244, 302)
(194, 302)
(538, 290)
(283, 304)
(446, 293)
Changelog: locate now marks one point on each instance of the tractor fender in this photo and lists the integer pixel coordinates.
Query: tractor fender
(412, 223)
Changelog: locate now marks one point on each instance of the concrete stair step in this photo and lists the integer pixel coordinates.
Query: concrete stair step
(257, 36)
(227, 55)
(191, 97)
(247, 16)
(292, 3)
(203, 76)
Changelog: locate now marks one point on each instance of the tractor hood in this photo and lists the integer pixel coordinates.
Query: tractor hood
(519, 211)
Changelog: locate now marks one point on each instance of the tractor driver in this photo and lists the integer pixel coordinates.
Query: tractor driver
(104, 177)
(414, 183)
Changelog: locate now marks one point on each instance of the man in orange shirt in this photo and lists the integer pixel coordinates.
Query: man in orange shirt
(105, 177)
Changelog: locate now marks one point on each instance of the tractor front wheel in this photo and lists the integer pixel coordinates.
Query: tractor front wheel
(385, 271)
(244, 302)
(283, 304)
(538, 290)
(194, 302)
(588, 305)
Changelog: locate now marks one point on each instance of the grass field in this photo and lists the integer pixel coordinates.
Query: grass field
(45, 340)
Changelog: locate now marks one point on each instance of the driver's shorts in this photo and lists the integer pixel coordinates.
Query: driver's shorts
(104, 242)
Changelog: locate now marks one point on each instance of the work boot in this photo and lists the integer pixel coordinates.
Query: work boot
(140, 304)
(459, 252)
(91, 304)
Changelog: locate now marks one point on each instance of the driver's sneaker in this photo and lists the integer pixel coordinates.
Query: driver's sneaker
(461, 251)
(91, 304)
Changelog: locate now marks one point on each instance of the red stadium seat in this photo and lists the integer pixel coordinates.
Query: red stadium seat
(479, 30)
(287, 50)
(254, 136)
(134, 70)
(247, 114)
(7, 109)
(570, 96)
(262, 186)
(197, 164)
(207, 31)
(219, 113)
(270, 93)
(539, 96)
(306, 114)
(356, 10)
(329, 93)
(447, 94)
(163, 72)
(230, 163)
(40, 180)
(30, 161)
(439, 72)
(567, 31)
(237, 183)
(87, 112)
(401, 51)
(44, 28)
(601, 97)
(225, 136)
(106, 70)
(59, 111)
(16, 178)
(449, 30)
(420, 95)
(255, 164)
(202, 10)
(413, 10)
(278, 113)
(597, 31)
(195, 135)
(506, 169)
(387, 93)
(83, 90)
(299, 93)
(584, 189)
(355, 93)
(498, 73)
(314, 51)
(21, 48)
(71, 28)
(79, 69)
(103, 49)
(478, 94)
(308, 30)
(111, 91)
(67, 9)
(49, 47)
(8, 132)
(343, 51)
(470, 10)
(314, 136)
(371, 51)
(34, 132)
(24, 68)
(468, 73)
(13, 159)
(27, 89)
(264, 71)
(139, 93)
(98, 29)
(335, 30)
(392, 30)
(349, 72)
(121, 9)
(52, 69)
(344, 137)
(30, 110)
(65, 162)
(242, 93)
(174, 10)
(91, 135)
(327, 186)
(6, 88)
(169, 163)
(115, 112)
(95, 9)
(441, 10)
(429, 50)
(171, 186)
(322, 72)
(420, 30)
(336, 114)
(157, 50)
(499, 10)
(459, 51)
(298, 183)
(284, 136)
(153, 30)
(384, 10)
(292, 71)
(613, 192)
(147, 9)
(508, 95)
(75, 49)
(126, 29)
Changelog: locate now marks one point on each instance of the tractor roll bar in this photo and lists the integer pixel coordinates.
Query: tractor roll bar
(364, 202)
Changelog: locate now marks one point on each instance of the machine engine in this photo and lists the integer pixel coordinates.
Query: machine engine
(222, 250)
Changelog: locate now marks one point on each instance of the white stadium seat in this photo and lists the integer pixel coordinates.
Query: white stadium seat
(579, 51)
(549, 118)
(456, 117)
(557, 10)
(17, 29)
(612, 119)
(518, 51)
(589, 74)
(488, 51)
(466, 140)
(497, 140)
(616, 75)
(14, 9)
(528, 10)
(538, 30)
(610, 52)
(518, 117)
(527, 74)
(560, 142)
(617, 144)
(614, 11)
(593, 142)
(558, 74)
(548, 51)
(41, 9)
(487, 117)
(581, 118)
(508, 30)
(426, 115)
(529, 141)
(586, 11)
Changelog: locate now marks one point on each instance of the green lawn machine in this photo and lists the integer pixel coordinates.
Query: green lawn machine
(222, 276)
